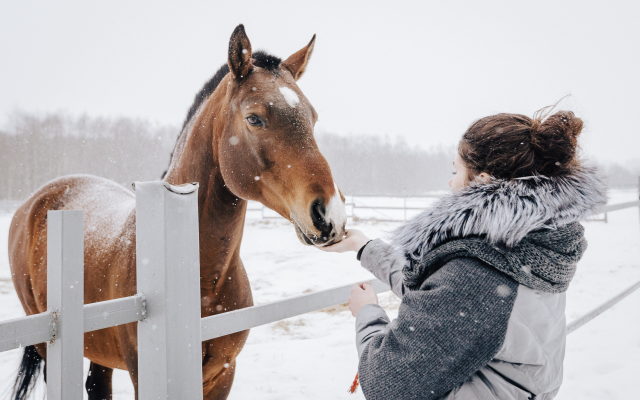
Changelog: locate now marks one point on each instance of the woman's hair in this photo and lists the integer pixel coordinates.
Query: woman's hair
(508, 146)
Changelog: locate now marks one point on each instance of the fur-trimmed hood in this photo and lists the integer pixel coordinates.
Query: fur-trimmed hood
(504, 211)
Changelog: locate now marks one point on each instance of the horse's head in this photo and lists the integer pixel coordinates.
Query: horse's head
(267, 151)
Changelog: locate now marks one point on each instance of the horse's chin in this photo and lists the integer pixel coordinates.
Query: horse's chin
(304, 239)
(307, 241)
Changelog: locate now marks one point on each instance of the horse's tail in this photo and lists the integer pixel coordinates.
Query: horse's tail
(28, 373)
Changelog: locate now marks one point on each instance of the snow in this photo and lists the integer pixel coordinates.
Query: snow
(313, 356)
(290, 96)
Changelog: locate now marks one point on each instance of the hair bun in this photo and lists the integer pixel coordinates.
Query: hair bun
(509, 146)
(555, 139)
(564, 122)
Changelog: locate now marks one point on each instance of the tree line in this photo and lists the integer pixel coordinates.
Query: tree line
(37, 148)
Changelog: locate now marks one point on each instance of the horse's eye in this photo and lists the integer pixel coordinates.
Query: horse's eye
(254, 120)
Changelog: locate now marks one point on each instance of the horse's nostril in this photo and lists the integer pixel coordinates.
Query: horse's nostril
(317, 210)
(318, 217)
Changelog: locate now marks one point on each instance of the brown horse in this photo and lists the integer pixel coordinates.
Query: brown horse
(248, 136)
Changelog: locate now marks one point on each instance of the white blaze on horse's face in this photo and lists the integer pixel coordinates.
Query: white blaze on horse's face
(336, 212)
(290, 96)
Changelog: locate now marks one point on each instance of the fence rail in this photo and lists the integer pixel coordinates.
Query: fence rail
(34, 329)
(615, 207)
(25, 331)
(247, 318)
(169, 331)
(578, 322)
(354, 205)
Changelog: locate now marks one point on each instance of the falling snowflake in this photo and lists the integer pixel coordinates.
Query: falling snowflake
(503, 291)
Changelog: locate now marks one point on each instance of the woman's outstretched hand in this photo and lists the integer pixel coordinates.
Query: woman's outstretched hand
(361, 294)
(353, 241)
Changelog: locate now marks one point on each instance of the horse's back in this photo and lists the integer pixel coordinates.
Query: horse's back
(109, 225)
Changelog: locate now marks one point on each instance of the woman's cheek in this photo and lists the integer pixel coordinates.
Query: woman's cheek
(457, 182)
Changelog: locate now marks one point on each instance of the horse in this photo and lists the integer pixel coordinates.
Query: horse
(247, 136)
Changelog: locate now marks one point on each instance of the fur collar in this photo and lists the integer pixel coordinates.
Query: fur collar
(504, 211)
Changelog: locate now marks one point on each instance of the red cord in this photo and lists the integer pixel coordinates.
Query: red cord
(354, 385)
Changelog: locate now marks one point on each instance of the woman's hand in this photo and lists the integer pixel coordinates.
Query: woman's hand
(361, 294)
(353, 241)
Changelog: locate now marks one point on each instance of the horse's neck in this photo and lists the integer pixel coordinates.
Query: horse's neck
(221, 213)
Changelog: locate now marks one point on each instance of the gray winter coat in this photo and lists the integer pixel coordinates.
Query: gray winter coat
(482, 276)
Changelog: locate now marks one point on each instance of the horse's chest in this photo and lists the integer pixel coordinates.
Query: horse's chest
(225, 291)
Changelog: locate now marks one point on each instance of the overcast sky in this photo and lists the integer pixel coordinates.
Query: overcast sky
(422, 70)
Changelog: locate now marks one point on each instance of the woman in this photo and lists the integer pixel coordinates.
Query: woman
(482, 274)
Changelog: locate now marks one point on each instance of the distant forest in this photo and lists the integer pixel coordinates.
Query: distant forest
(35, 149)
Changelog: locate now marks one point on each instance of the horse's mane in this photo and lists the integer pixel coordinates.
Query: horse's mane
(260, 59)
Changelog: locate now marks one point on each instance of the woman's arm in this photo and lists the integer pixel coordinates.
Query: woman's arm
(372, 320)
(445, 331)
(384, 263)
(377, 257)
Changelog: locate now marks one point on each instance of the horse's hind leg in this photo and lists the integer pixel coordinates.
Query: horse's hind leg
(99, 382)
(41, 348)
(128, 336)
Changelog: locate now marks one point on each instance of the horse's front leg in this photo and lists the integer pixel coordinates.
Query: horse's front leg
(99, 382)
(219, 364)
(218, 380)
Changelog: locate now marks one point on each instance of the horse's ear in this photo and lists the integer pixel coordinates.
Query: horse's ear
(297, 62)
(239, 53)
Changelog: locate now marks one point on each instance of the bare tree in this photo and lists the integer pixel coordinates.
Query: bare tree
(35, 149)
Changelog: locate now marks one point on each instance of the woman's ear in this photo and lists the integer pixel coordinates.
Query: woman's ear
(483, 177)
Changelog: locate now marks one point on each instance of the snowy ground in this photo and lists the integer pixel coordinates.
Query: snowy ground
(313, 356)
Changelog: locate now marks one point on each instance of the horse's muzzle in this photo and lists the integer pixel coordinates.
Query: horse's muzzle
(329, 223)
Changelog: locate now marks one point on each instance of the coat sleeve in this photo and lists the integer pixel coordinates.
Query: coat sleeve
(379, 258)
(445, 331)
(371, 320)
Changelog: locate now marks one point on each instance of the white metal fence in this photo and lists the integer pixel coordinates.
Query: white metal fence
(361, 210)
(167, 306)
(411, 205)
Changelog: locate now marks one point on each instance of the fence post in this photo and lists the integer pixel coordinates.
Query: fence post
(168, 274)
(65, 300)
(639, 194)
(405, 204)
(353, 210)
